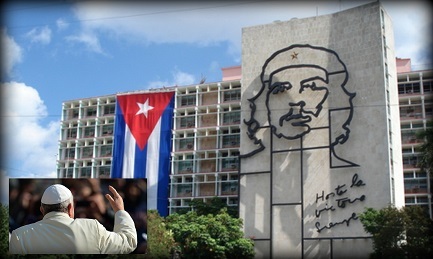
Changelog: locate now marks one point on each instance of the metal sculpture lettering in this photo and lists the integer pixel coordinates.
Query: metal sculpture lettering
(340, 191)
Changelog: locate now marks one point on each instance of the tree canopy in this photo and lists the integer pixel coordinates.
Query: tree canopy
(211, 206)
(210, 236)
(399, 233)
(4, 229)
(426, 161)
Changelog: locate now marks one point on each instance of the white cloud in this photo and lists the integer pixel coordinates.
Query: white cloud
(31, 147)
(62, 24)
(11, 53)
(204, 24)
(40, 35)
(412, 24)
(89, 40)
(182, 78)
(178, 78)
(213, 23)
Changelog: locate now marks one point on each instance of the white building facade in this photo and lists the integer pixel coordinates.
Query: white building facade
(320, 140)
(415, 90)
(206, 140)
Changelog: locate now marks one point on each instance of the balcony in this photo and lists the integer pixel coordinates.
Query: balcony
(416, 190)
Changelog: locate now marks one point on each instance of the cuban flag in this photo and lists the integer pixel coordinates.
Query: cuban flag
(142, 143)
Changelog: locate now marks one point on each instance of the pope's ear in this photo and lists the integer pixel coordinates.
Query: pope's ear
(41, 209)
(71, 211)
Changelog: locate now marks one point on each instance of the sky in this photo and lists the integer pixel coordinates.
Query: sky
(55, 51)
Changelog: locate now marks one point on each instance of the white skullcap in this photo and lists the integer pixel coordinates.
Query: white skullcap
(56, 194)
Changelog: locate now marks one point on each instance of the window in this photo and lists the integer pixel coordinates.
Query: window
(408, 175)
(409, 200)
(407, 150)
(229, 188)
(418, 125)
(421, 174)
(109, 109)
(75, 114)
(87, 152)
(187, 122)
(106, 150)
(70, 172)
(410, 162)
(415, 186)
(185, 166)
(104, 171)
(86, 172)
(107, 130)
(186, 144)
(233, 95)
(231, 141)
(89, 132)
(229, 164)
(421, 200)
(428, 86)
(429, 110)
(409, 88)
(91, 112)
(184, 189)
(231, 118)
(233, 201)
(70, 153)
(71, 133)
(187, 100)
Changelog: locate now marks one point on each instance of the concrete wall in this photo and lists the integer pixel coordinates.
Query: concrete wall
(319, 141)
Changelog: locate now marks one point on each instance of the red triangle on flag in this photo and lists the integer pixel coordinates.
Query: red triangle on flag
(141, 113)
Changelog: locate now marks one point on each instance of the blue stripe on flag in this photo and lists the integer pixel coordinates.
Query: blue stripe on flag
(140, 160)
(164, 159)
(119, 146)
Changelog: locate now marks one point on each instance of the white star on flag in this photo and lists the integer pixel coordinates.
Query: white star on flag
(144, 108)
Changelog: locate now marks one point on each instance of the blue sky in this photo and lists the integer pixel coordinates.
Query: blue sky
(64, 50)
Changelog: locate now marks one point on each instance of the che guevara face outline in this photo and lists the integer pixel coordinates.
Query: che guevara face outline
(324, 72)
(295, 98)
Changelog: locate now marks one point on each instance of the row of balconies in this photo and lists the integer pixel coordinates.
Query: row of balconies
(208, 98)
(84, 172)
(204, 189)
(416, 199)
(208, 143)
(89, 112)
(88, 132)
(416, 190)
(205, 168)
(179, 203)
(231, 118)
(85, 152)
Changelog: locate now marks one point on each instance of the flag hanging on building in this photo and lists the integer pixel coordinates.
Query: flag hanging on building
(142, 143)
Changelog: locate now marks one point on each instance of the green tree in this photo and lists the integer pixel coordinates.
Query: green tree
(387, 228)
(419, 233)
(399, 233)
(212, 206)
(210, 236)
(426, 162)
(160, 243)
(4, 229)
